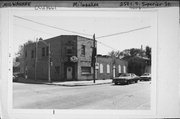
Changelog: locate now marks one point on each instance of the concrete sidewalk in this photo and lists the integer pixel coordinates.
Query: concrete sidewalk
(66, 83)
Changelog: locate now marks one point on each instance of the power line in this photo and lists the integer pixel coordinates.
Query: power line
(52, 26)
(32, 29)
(123, 32)
(81, 33)
(106, 45)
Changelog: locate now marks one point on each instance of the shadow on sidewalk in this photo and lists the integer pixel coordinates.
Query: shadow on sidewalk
(30, 81)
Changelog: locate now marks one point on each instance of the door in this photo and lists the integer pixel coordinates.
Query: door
(69, 73)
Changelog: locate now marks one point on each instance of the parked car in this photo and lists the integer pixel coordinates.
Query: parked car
(145, 77)
(15, 77)
(126, 78)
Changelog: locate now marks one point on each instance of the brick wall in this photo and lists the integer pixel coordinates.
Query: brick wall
(84, 60)
(106, 72)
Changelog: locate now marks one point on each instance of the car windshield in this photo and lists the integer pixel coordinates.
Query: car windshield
(122, 75)
(146, 74)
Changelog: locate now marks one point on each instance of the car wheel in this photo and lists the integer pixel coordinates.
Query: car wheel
(115, 83)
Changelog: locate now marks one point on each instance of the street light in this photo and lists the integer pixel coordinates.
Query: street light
(49, 57)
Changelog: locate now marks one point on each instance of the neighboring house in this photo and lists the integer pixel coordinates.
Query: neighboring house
(110, 67)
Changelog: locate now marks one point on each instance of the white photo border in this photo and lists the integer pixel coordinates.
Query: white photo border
(7, 56)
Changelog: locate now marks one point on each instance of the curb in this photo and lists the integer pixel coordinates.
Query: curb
(72, 85)
(69, 84)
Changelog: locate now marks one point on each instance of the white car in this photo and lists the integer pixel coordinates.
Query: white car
(145, 77)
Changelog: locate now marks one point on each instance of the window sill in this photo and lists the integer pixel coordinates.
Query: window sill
(86, 74)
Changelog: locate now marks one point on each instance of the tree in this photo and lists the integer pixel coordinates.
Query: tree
(115, 53)
(136, 57)
(19, 56)
(148, 52)
(21, 47)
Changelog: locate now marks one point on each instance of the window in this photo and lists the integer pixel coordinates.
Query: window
(83, 50)
(57, 69)
(85, 70)
(43, 51)
(119, 67)
(47, 51)
(32, 54)
(101, 68)
(108, 68)
(69, 50)
(25, 53)
(124, 69)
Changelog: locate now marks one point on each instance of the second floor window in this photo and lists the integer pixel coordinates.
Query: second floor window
(83, 50)
(32, 54)
(43, 51)
(47, 51)
(25, 53)
(69, 50)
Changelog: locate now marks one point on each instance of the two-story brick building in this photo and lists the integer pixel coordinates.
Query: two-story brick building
(70, 56)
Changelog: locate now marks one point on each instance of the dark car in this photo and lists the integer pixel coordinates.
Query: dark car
(126, 78)
(15, 77)
(145, 77)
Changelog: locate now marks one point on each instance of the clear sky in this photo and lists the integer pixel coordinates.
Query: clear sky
(100, 23)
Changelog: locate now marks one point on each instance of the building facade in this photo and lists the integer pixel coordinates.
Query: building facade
(109, 67)
(70, 60)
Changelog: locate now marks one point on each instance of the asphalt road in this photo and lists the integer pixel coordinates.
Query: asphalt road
(106, 96)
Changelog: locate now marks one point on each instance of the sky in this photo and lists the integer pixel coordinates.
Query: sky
(99, 23)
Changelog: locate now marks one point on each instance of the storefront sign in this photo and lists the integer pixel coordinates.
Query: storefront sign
(74, 59)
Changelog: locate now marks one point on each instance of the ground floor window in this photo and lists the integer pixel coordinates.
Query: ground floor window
(124, 69)
(108, 68)
(101, 68)
(85, 70)
(119, 68)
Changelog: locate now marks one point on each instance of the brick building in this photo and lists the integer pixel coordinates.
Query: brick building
(71, 57)
(110, 67)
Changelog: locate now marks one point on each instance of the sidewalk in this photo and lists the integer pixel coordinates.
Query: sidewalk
(66, 83)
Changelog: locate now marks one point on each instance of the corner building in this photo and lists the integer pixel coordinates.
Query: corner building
(70, 58)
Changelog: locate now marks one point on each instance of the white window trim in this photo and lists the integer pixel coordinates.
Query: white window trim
(108, 68)
(119, 68)
(124, 69)
(101, 68)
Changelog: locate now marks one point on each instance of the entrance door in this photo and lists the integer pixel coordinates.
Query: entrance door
(69, 73)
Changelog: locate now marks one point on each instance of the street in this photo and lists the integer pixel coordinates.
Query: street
(106, 96)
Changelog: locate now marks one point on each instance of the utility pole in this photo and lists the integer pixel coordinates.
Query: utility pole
(36, 54)
(49, 64)
(94, 59)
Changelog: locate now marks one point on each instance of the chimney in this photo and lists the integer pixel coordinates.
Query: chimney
(141, 47)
